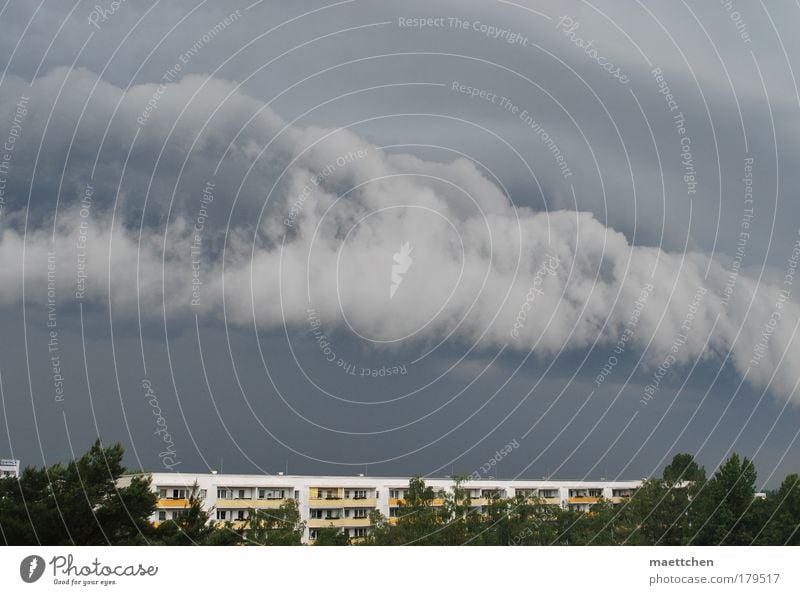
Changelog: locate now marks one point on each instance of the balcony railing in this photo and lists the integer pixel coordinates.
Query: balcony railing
(340, 522)
(248, 503)
(343, 502)
(172, 503)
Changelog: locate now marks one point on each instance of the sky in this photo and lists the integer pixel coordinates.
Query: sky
(392, 239)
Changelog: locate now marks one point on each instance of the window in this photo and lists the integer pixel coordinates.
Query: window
(178, 494)
(203, 494)
(162, 493)
(162, 515)
(241, 494)
(222, 493)
(360, 513)
(347, 513)
(360, 494)
(595, 493)
(548, 493)
(396, 494)
(297, 494)
(316, 513)
(312, 533)
(265, 494)
(394, 512)
(240, 515)
(222, 515)
(360, 532)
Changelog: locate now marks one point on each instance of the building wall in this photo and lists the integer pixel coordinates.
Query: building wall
(579, 495)
(9, 468)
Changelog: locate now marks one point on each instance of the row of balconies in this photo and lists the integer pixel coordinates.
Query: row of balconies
(340, 522)
(342, 503)
(576, 496)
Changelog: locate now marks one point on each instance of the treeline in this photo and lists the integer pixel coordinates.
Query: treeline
(683, 507)
(82, 503)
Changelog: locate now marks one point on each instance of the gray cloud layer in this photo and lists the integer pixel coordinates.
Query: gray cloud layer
(338, 211)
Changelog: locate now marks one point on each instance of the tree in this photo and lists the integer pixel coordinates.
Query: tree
(281, 526)
(778, 516)
(417, 522)
(331, 536)
(718, 510)
(657, 513)
(683, 468)
(78, 504)
(192, 526)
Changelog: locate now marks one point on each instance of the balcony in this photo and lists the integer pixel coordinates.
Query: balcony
(342, 503)
(268, 503)
(248, 503)
(400, 502)
(235, 523)
(340, 522)
(584, 500)
(172, 503)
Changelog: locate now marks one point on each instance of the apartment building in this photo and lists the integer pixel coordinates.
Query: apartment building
(9, 468)
(346, 502)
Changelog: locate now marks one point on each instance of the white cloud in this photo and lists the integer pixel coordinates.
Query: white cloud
(340, 212)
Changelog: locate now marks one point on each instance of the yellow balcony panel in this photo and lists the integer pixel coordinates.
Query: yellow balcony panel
(351, 522)
(335, 492)
(266, 503)
(172, 503)
(584, 500)
(358, 503)
(235, 523)
(233, 503)
(342, 503)
(325, 502)
(552, 500)
(401, 502)
(248, 503)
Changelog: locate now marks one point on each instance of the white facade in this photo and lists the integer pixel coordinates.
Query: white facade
(9, 468)
(345, 502)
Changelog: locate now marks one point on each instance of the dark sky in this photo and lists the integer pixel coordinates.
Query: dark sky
(392, 238)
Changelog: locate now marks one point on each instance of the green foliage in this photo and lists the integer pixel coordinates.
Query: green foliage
(720, 508)
(683, 468)
(281, 526)
(79, 503)
(680, 508)
(193, 527)
(331, 536)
